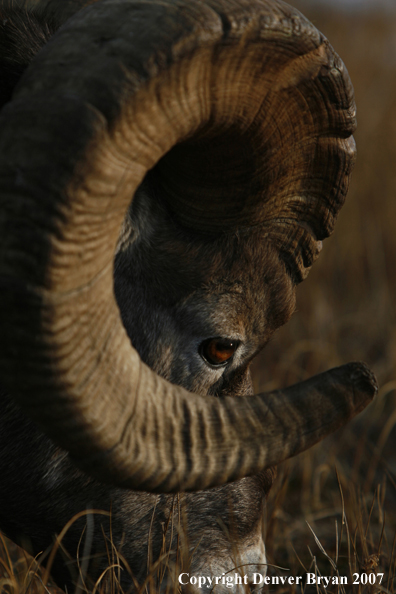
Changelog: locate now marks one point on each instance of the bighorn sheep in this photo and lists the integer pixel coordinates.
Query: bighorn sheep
(229, 122)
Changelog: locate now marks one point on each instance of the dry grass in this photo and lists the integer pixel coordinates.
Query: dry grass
(333, 509)
(346, 312)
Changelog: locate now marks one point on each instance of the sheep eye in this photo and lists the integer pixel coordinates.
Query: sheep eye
(218, 351)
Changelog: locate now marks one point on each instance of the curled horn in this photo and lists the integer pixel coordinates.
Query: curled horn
(246, 115)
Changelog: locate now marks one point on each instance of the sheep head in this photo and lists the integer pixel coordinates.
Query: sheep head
(229, 124)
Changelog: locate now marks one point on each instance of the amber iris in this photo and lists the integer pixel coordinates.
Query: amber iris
(218, 351)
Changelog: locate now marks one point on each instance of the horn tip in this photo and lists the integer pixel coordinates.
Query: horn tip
(363, 379)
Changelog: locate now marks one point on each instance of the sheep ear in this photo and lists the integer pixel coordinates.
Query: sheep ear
(22, 34)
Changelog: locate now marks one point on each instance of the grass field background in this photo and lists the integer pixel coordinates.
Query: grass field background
(346, 312)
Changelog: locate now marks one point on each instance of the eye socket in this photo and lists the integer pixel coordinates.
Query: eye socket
(218, 351)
